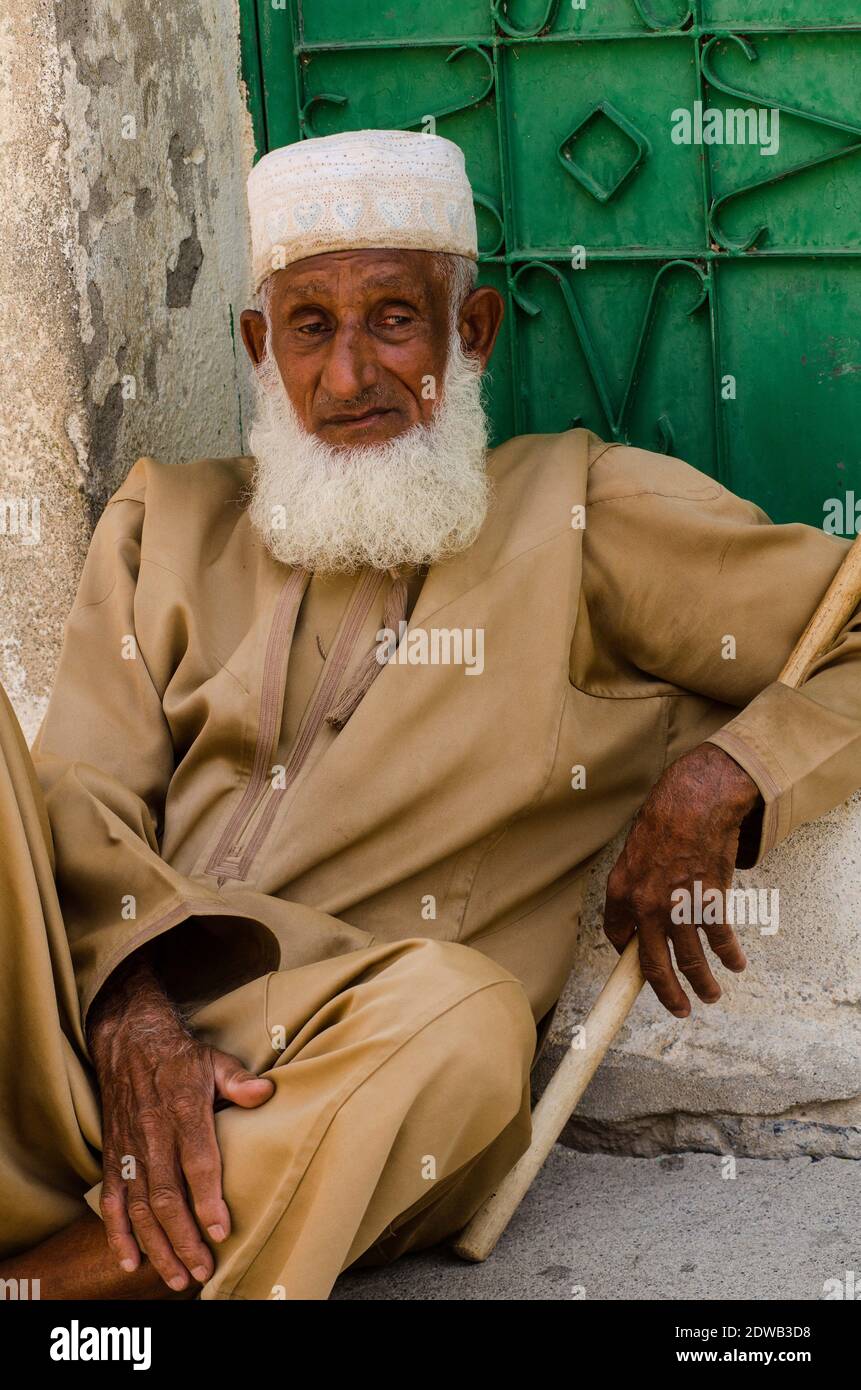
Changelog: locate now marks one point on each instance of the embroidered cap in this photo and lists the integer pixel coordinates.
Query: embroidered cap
(388, 189)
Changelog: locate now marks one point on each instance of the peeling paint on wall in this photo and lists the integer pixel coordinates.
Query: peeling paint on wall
(157, 140)
(125, 261)
(43, 433)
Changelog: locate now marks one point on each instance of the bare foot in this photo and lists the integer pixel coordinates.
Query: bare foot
(77, 1264)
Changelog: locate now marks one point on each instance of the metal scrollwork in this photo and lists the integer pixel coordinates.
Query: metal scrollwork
(660, 26)
(719, 236)
(462, 105)
(338, 99)
(498, 10)
(491, 207)
(602, 193)
(318, 99)
(616, 419)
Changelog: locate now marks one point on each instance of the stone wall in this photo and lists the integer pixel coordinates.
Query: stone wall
(126, 146)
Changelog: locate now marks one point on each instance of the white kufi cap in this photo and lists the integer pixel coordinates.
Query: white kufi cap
(389, 189)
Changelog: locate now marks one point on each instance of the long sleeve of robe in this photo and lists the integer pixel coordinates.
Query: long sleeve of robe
(689, 584)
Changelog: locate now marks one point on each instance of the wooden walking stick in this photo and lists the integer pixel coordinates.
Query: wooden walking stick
(616, 999)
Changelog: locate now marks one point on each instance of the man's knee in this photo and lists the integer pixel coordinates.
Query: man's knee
(487, 1034)
(441, 963)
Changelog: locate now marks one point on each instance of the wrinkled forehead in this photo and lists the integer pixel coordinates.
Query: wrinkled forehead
(347, 276)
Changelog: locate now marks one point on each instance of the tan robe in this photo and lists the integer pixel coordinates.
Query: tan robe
(328, 883)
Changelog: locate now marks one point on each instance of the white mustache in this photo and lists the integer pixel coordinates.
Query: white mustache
(412, 500)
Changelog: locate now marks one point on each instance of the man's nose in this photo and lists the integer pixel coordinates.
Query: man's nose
(350, 367)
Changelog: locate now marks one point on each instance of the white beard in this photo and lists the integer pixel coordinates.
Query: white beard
(413, 500)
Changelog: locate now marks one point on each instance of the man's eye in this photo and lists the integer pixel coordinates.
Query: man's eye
(310, 329)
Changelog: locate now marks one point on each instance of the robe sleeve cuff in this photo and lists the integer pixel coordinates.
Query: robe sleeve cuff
(220, 948)
(762, 765)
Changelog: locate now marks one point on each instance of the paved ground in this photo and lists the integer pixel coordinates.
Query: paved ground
(654, 1228)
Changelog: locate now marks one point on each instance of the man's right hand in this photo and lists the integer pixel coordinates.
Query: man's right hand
(161, 1186)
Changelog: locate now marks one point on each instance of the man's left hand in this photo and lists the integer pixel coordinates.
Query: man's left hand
(687, 830)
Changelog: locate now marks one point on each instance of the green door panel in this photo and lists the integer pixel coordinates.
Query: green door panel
(797, 338)
(550, 92)
(401, 21)
(718, 314)
(748, 15)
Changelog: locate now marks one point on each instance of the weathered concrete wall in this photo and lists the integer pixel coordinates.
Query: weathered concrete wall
(41, 404)
(125, 261)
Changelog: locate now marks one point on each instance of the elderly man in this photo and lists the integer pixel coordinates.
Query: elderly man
(293, 888)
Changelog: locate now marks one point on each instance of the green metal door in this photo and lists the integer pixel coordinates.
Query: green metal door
(702, 298)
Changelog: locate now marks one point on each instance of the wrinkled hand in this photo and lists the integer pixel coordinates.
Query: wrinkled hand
(158, 1087)
(687, 830)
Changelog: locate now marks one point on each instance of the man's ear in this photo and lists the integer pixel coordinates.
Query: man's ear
(480, 319)
(252, 326)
